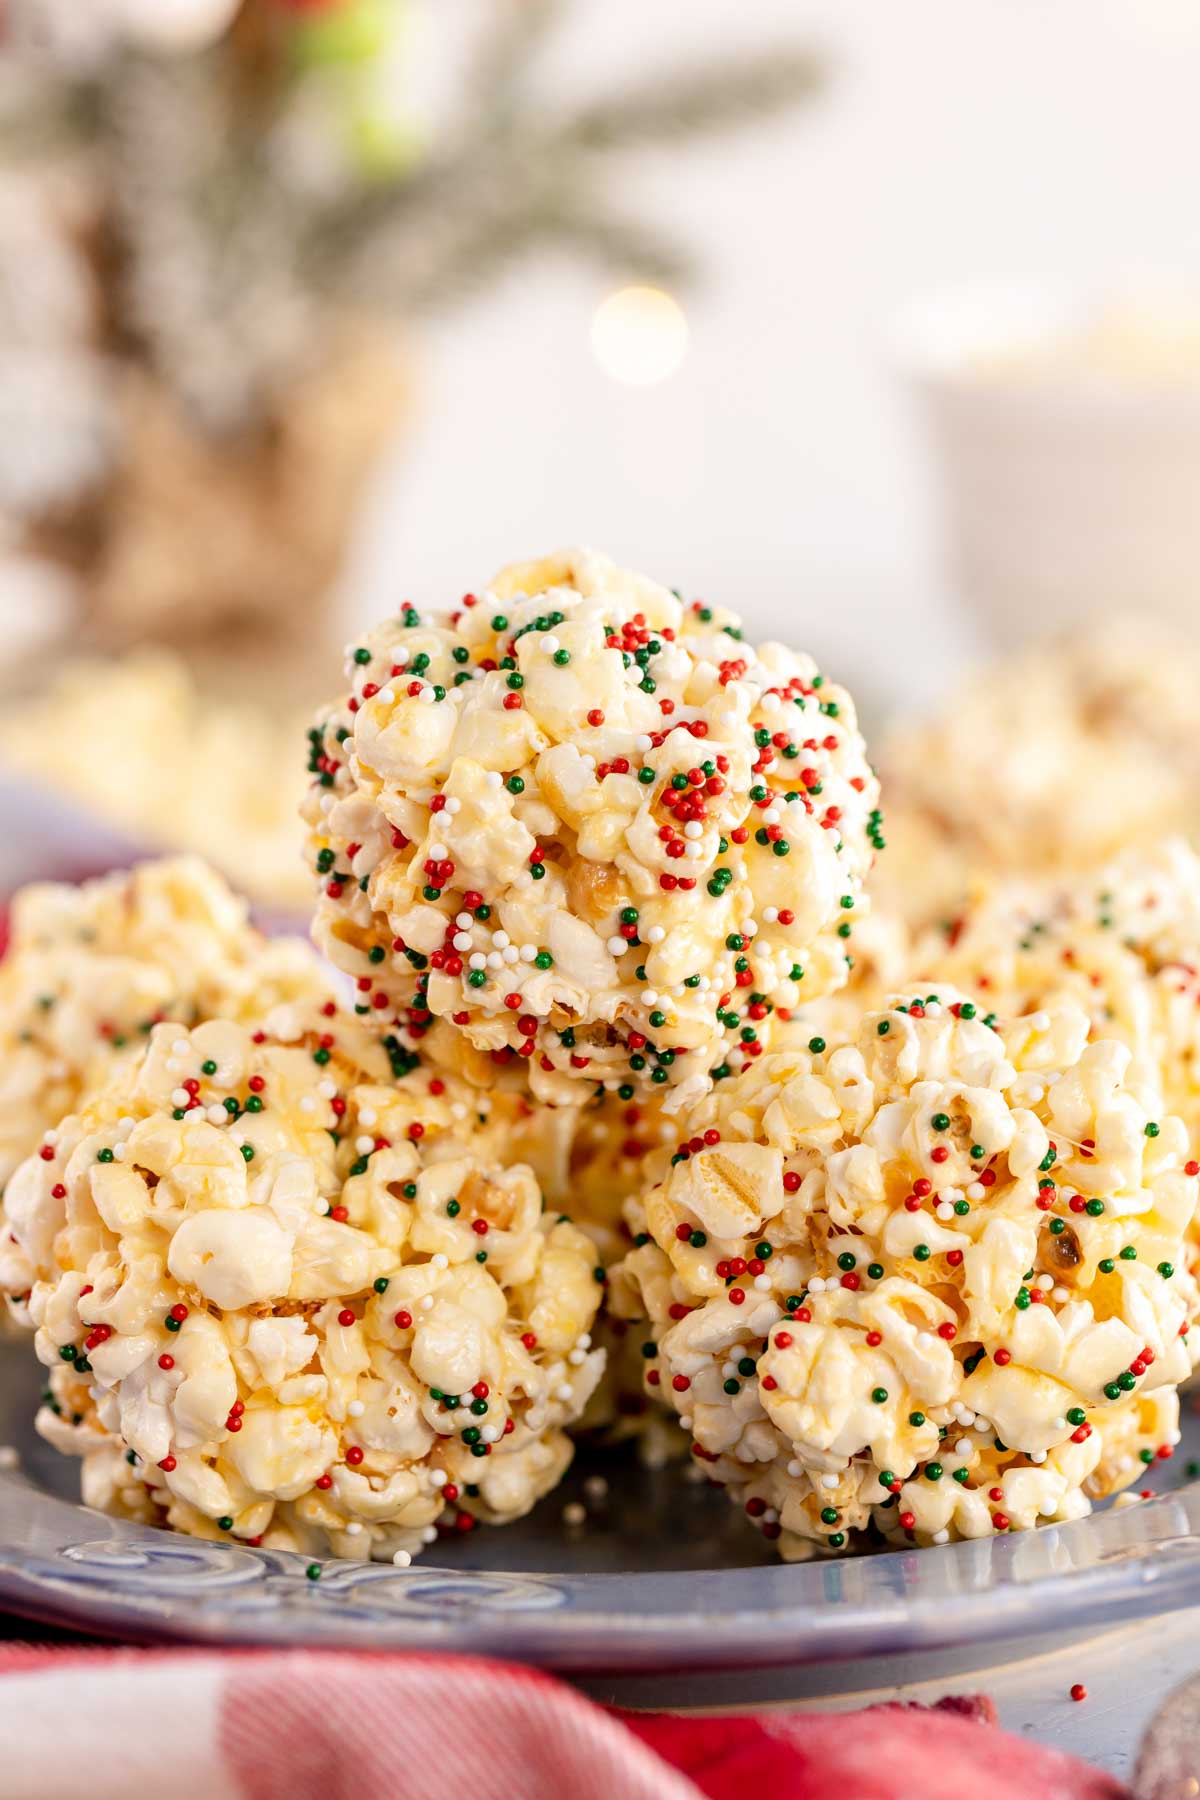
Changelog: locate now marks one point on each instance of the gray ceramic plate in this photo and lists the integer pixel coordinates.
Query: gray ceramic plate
(663, 1577)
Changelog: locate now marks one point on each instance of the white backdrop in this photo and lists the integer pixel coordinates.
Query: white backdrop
(780, 469)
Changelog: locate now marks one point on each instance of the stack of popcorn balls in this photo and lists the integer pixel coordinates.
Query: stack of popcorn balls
(609, 1062)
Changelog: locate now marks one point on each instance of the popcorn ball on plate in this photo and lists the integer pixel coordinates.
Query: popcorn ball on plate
(288, 1299)
(90, 968)
(931, 1282)
(586, 823)
(1122, 942)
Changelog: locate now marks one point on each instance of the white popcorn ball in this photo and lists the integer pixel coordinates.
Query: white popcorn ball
(858, 1356)
(89, 970)
(295, 1327)
(610, 858)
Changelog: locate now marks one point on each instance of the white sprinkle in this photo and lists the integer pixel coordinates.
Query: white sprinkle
(576, 1357)
(495, 960)
(462, 940)
(528, 952)
(963, 1447)
(386, 696)
(438, 1477)
(1045, 1283)
(501, 939)
(179, 1097)
(616, 946)
(490, 1434)
(353, 1528)
(596, 1487)
(941, 1537)
(364, 1145)
(976, 1191)
(693, 851)
(440, 1261)
(771, 816)
(549, 644)
(770, 914)
(573, 1514)
(429, 1535)
(944, 1210)
(355, 1409)
(307, 1103)
(216, 1115)
(426, 1303)
(453, 805)
(830, 1481)
(464, 921)
(795, 1469)
(479, 960)
(1037, 1456)
(401, 655)
(119, 1151)
(493, 779)
(511, 954)
(656, 934)
(402, 1558)
(762, 1283)
(1061, 1294)
(817, 1285)
(693, 829)
(564, 1391)
(642, 742)
(426, 696)
(327, 1090)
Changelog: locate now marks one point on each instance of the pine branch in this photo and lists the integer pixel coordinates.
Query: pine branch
(498, 68)
(722, 96)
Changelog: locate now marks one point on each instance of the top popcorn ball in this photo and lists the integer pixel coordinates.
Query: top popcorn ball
(588, 825)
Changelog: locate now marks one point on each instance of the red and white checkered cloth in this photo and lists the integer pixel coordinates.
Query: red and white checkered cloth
(98, 1724)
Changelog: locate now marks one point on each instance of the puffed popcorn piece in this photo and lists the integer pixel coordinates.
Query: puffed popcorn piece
(288, 1299)
(930, 1284)
(587, 825)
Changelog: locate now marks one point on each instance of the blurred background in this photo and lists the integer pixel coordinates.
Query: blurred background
(876, 323)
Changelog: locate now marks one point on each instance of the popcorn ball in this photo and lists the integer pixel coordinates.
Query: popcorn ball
(588, 825)
(91, 968)
(928, 1285)
(1123, 943)
(290, 1300)
(1047, 762)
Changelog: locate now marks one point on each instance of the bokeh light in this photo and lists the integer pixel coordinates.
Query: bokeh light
(640, 335)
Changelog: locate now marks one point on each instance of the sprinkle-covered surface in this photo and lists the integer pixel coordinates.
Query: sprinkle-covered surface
(929, 1285)
(1122, 942)
(91, 968)
(586, 823)
(288, 1299)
